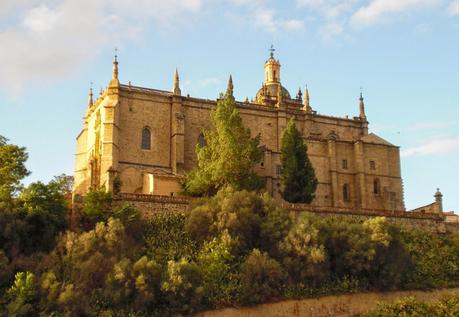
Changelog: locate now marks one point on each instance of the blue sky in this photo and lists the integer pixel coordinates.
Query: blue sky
(404, 53)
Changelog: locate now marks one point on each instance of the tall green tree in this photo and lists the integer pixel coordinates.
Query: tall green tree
(63, 183)
(12, 169)
(229, 155)
(299, 181)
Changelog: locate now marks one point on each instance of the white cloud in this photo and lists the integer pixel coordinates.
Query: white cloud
(266, 19)
(453, 8)
(380, 10)
(331, 29)
(6, 6)
(330, 9)
(40, 19)
(436, 146)
(292, 24)
(334, 14)
(50, 40)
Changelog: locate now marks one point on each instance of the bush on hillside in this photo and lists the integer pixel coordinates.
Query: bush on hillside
(411, 307)
(262, 278)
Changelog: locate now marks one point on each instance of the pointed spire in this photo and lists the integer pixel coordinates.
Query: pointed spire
(115, 81)
(115, 67)
(176, 84)
(362, 107)
(90, 97)
(230, 88)
(306, 105)
(299, 95)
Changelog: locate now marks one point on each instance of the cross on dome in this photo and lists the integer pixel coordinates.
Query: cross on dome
(272, 50)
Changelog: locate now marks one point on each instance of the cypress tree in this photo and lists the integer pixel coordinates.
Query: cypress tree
(298, 178)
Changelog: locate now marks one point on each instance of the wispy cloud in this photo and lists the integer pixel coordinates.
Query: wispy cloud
(53, 39)
(266, 17)
(432, 125)
(334, 14)
(268, 20)
(329, 8)
(435, 146)
(453, 8)
(382, 10)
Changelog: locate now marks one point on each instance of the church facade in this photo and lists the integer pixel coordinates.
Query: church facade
(147, 138)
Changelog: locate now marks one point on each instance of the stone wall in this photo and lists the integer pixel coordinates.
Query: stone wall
(151, 204)
(348, 161)
(342, 306)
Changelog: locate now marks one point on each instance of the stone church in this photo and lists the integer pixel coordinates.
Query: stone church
(147, 137)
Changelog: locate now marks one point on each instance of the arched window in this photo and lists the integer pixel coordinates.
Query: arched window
(376, 187)
(146, 139)
(346, 193)
(202, 140)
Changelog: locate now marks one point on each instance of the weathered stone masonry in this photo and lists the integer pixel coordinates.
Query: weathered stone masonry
(148, 137)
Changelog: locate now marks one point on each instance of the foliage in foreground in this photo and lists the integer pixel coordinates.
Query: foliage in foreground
(235, 248)
(410, 307)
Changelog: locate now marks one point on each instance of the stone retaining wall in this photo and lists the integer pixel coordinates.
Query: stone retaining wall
(339, 306)
(151, 204)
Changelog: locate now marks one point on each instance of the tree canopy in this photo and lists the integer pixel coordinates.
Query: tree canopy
(228, 156)
(12, 168)
(299, 181)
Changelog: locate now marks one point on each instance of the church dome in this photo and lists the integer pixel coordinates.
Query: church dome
(271, 91)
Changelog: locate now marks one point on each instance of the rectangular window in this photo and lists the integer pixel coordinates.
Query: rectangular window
(345, 164)
(278, 169)
(372, 165)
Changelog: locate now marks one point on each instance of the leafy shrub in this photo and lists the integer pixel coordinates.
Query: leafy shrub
(97, 205)
(22, 295)
(262, 278)
(166, 238)
(251, 220)
(217, 263)
(183, 285)
(134, 284)
(274, 227)
(352, 246)
(391, 265)
(80, 265)
(434, 258)
(302, 253)
(410, 307)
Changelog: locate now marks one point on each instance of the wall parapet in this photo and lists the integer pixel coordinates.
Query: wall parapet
(370, 212)
(153, 198)
(185, 201)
